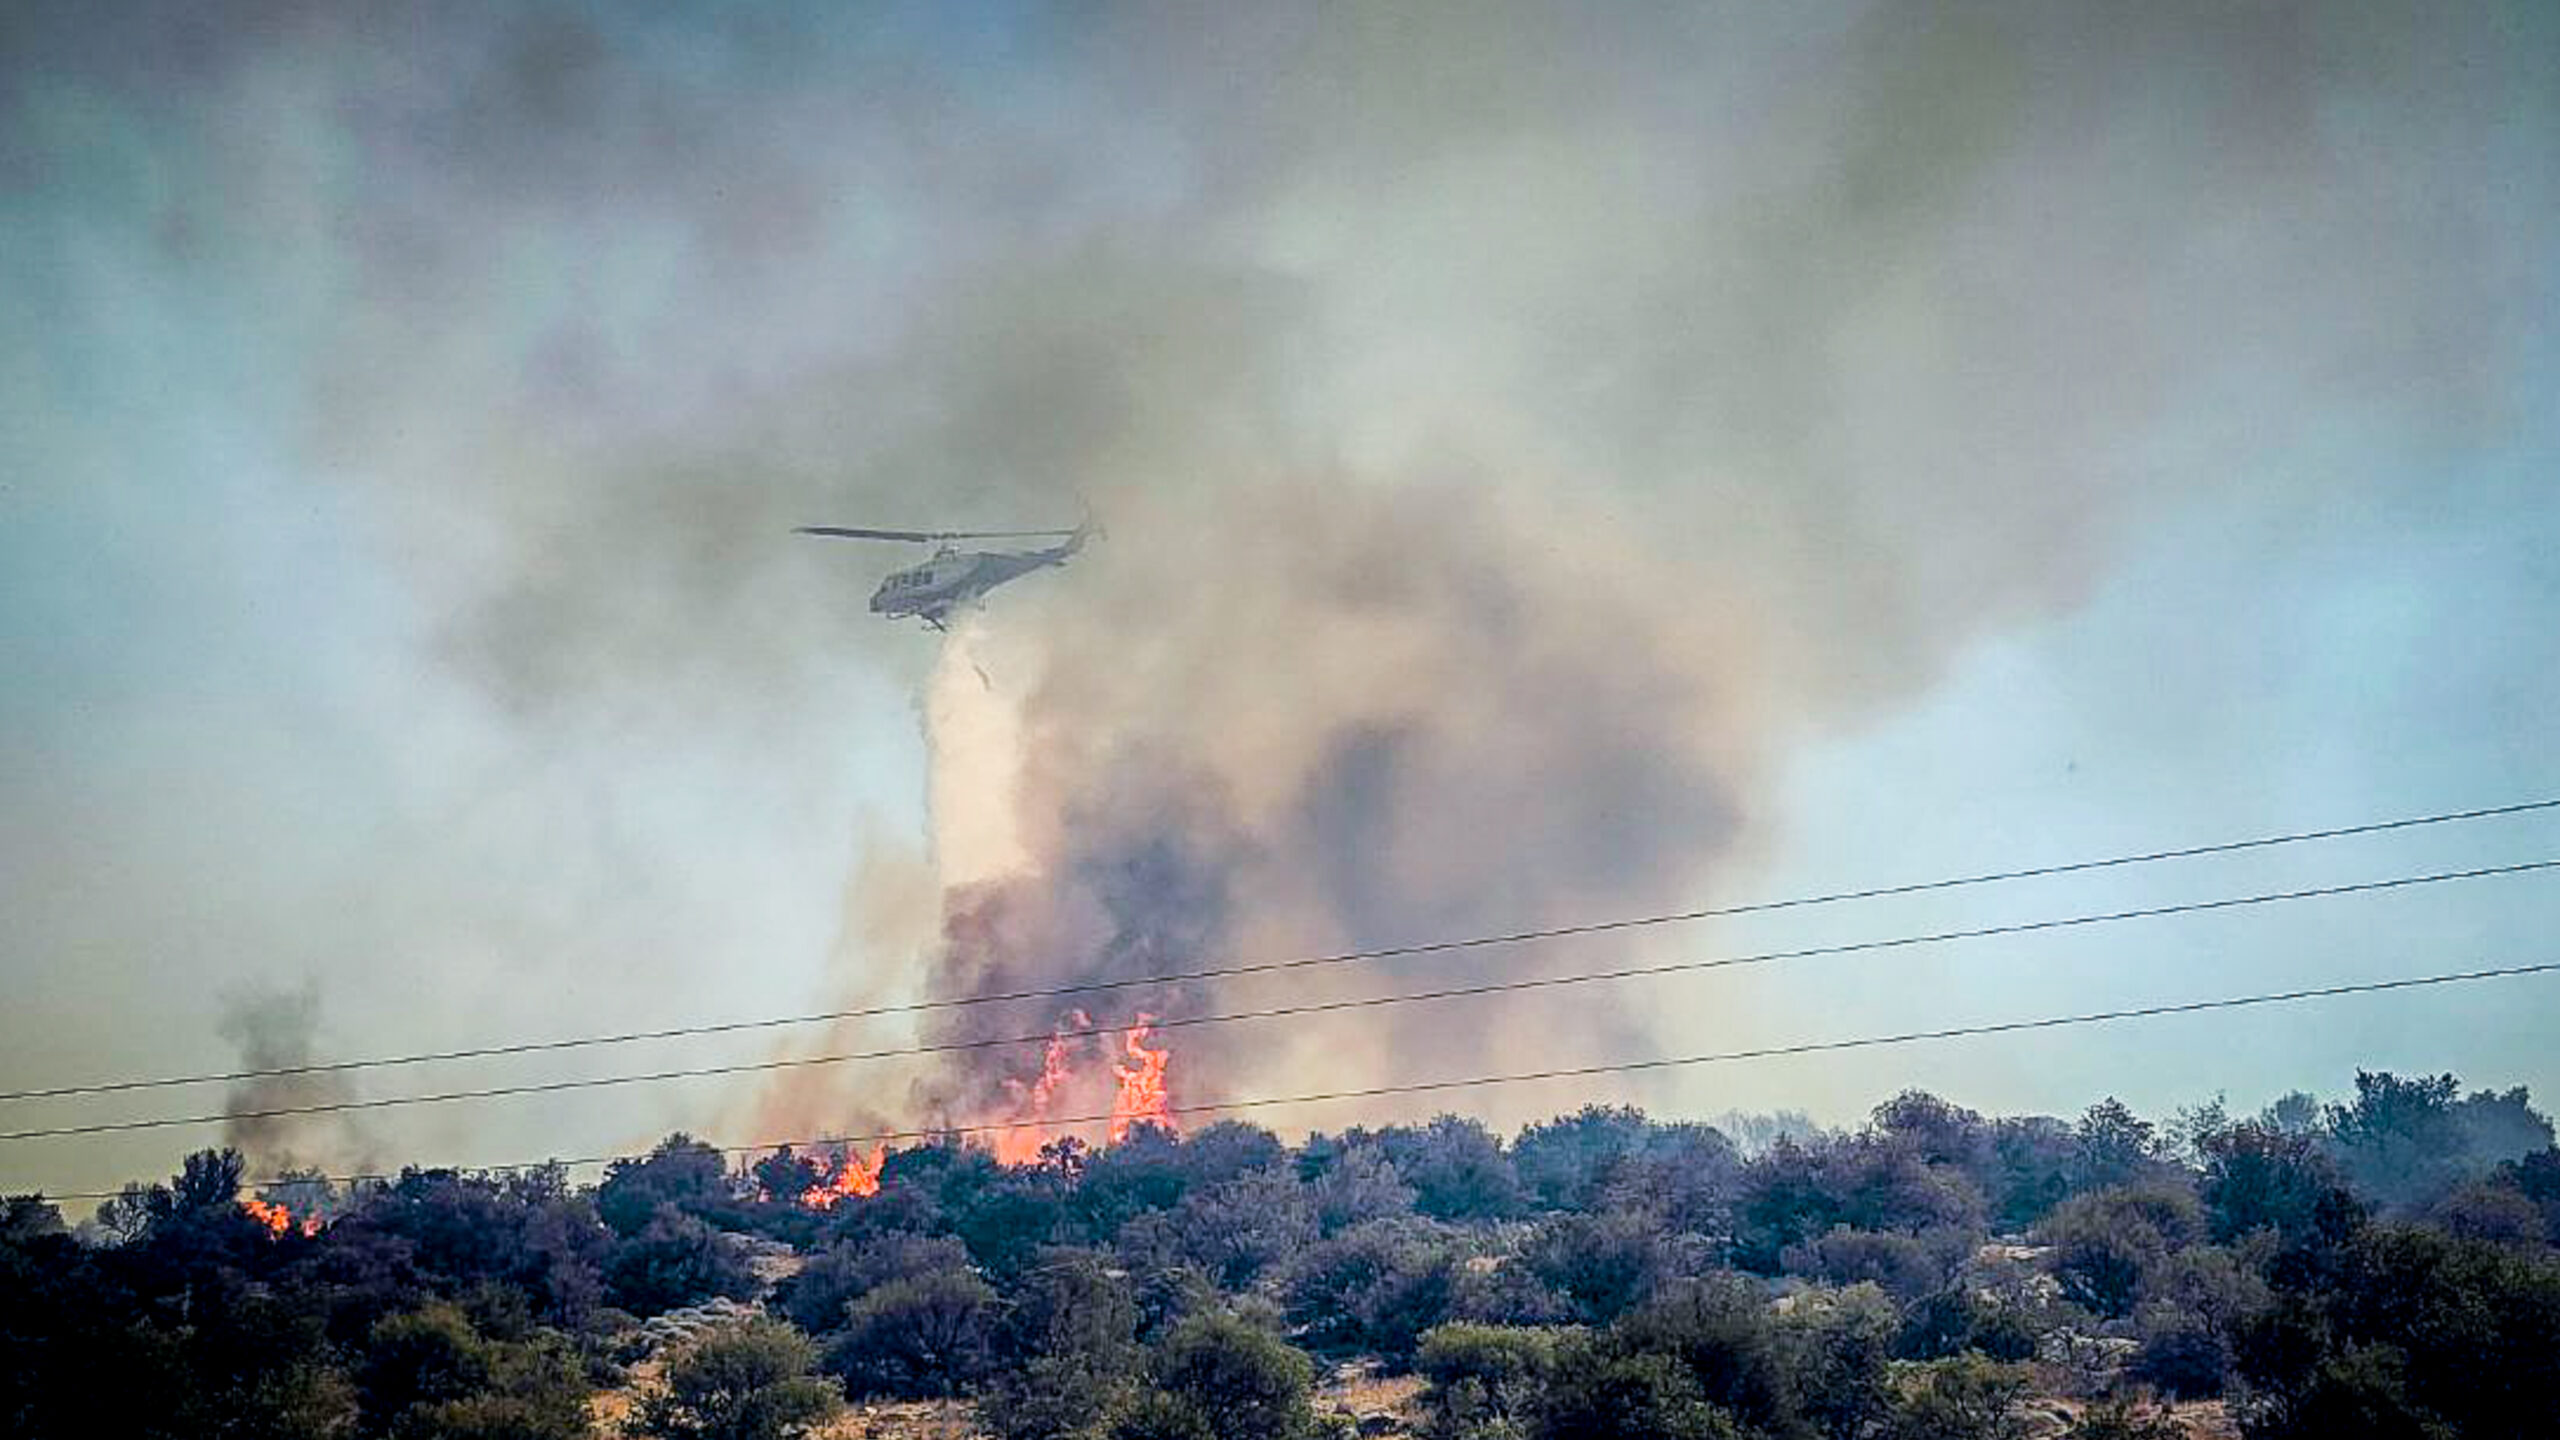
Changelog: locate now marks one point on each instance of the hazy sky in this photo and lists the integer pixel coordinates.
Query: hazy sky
(1558, 462)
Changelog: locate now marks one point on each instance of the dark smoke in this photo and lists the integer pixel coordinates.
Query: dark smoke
(274, 1028)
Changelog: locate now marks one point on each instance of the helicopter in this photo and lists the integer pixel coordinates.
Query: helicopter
(954, 577)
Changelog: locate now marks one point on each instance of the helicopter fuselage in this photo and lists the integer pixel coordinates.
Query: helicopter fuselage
(954, 578)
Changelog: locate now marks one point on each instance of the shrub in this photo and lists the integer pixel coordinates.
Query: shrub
(816, 1298)
(1902, 1265)
(1485, 1381)
(1965, 1398)
(1598, 1392)
(1216, 1376)
(674, 1260)
(1377, 1287)
(1603, 1263)
(917, 1336)
(741, 1382)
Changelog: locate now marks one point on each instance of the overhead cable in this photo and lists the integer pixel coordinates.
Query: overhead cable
(1474, 1082)
(1265, 967)
(1368, 1002)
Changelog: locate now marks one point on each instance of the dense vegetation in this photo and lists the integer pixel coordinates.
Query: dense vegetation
(2380, 1267)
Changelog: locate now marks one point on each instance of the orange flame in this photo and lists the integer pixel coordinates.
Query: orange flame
(278, 1218)
(854, 1176)
(1144, 1098)
(1019, 1142)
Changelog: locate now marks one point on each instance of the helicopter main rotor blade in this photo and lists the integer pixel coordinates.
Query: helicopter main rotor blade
(847, 532)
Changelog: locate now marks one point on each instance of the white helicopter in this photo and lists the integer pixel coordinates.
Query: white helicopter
(953, 577)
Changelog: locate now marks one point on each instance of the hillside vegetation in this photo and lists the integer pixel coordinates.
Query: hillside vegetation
(2379, 1267)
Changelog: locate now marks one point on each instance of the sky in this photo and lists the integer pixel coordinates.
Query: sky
(1556, 465)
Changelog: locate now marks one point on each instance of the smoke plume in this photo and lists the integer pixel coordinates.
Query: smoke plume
(276, 1029)
(1520, 429)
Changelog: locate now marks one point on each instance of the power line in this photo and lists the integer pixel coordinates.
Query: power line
(1515, 937)
(1497, 987)
(1575, 1072)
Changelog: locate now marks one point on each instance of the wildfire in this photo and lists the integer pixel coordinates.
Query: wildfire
(854, 1176)
(1019, 1143)
(1143, 1098)
(1142, 1095)
(278, 1218)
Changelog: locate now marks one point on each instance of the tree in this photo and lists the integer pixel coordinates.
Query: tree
(2116, 1146)
(1795, 1192)
(1957, 1319)
(27, 1217)
(1721, 1335)
(2107, 1243)
(1568, 1162)
(786, 1175)
(1684, 1178)
(682, 1174)
(741, 1382)
(1233, 1231)
(2194, 1305)
(1456, 1167)
(1835, 1345)
(2405, 1143)
(1938, 1132)
(2122, 1419)
(1903, 1265)
(2259, 1176)
(2406, 1331)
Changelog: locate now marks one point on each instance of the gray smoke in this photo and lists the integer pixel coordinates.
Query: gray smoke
(1519, 428)
(277, 1029)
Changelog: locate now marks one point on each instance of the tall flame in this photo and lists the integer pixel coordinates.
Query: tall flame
(1144, 1098)
(1019, 1143)
(854, 1176)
